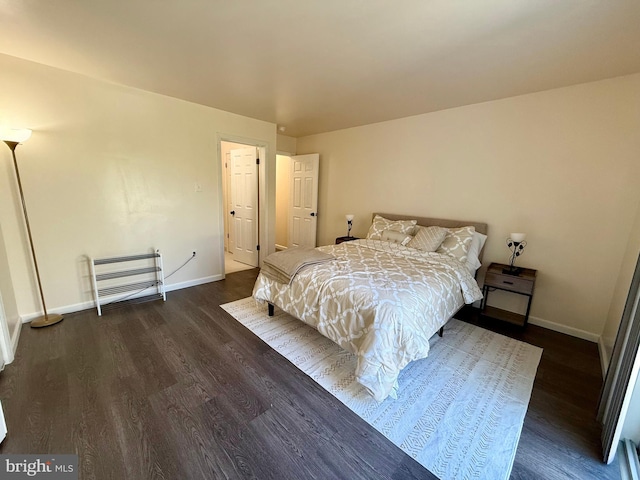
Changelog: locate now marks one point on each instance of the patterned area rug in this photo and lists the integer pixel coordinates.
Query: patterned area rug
(459, 412)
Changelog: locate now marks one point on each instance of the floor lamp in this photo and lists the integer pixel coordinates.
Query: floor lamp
(13, 138)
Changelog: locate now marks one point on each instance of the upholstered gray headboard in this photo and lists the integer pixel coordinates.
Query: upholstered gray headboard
(440, 222)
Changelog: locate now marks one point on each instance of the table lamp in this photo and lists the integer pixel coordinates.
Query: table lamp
(349, 218)
(516, 243)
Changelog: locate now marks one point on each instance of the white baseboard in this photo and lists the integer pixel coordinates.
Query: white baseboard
(76, 307)
(59, 310)
(604, 356)
(193, 283)
(576, 332)
(15, 336)
(556, 327)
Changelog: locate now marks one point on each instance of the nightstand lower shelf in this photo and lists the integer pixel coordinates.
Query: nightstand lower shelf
(504, 315)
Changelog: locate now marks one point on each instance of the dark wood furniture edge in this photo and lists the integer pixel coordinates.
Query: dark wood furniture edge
(340, 240)
(529, 274)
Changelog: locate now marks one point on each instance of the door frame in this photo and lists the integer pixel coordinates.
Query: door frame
(264, 219)
(623, 372)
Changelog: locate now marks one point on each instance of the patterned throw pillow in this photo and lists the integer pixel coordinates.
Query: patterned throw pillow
(457, 242)
(380, 224)
(396, 237)
(428, 239)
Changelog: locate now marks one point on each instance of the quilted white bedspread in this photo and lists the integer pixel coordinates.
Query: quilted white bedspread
(379, 300)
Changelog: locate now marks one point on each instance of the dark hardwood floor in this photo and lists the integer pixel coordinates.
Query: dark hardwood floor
(180, 390)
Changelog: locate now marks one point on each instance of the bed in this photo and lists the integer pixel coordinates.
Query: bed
(381, 298)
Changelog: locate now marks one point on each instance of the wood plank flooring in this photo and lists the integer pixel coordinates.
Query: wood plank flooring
(180, 390)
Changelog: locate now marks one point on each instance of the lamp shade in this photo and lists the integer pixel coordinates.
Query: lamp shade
(14, 134)
(349, 217)
(518, 237)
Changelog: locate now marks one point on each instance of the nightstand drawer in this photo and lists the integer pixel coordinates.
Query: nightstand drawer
(509, 282)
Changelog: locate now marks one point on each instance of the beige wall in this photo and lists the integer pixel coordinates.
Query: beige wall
(560, 165)
(286, 144)
(111, 170)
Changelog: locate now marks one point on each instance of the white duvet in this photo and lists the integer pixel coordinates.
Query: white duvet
(379, 300)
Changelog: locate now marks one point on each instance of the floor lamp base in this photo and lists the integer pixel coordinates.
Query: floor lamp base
(46, 320)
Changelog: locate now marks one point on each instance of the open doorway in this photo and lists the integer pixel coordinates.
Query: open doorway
(241, 212)
(283, 187)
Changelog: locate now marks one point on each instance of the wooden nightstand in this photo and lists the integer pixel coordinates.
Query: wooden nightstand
(339, 240)
(522, 284)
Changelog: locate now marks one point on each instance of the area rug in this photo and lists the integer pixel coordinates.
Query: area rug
(459, 412)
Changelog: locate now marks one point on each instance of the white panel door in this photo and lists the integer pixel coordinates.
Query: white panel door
(303, 200)
(244, 205)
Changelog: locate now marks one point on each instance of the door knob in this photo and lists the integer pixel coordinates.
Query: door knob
(232, 212)
(313, 214)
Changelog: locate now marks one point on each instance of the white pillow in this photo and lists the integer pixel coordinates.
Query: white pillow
(477, 242)
(396, 237)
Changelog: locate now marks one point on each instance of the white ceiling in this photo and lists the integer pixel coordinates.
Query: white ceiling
(315, 66)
